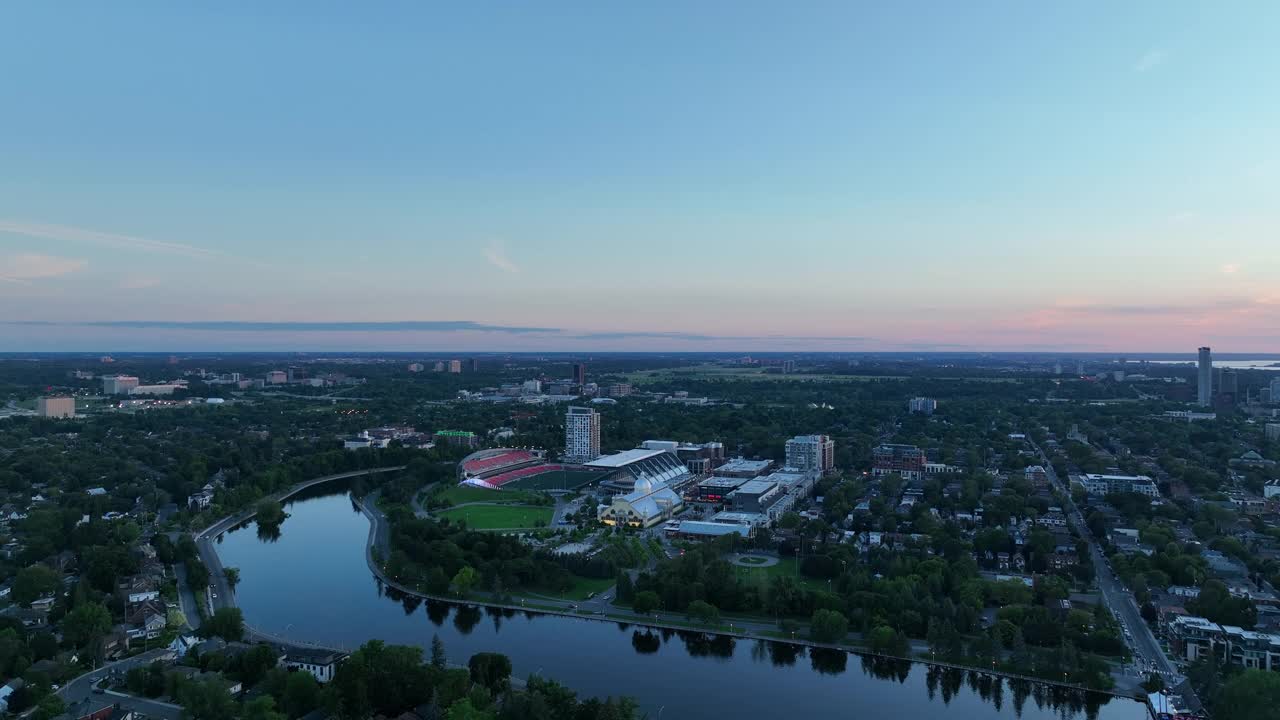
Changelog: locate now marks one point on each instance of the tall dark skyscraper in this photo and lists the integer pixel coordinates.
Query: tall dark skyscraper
(1204, 378)
(580, 373)
(473, 364)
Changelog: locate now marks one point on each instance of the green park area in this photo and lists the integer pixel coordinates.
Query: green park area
(761, 575)
(499, 517)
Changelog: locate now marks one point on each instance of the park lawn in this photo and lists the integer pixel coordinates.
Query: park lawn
(499, 517)
(785, 566)
(460, 494)
(582, 588)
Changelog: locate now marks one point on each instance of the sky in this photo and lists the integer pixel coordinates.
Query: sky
(757, 176)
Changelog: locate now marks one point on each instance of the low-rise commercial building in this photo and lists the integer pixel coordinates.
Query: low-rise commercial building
(742, 468)
(908, 461)
(755, 496)
(716, 489)
(1194, 637)
(1098, 484)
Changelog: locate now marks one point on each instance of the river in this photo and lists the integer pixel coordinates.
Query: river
(312, 583)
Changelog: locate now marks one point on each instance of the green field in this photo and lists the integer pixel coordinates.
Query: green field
(555, 480)
(582, 587)
(786, 566)
(499, 517)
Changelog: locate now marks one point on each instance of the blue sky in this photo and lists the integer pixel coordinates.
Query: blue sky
(659, 176)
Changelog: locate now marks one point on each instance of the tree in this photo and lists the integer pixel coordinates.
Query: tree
(226, 623)
(439, 660)
(262, 707)
(646, 602)
(703, 611)
(49, 707)
(465, 579)
(86, 624)
(33, 583)
(301, 694)
(492, 670)
(205, 700)
(828, 626)
(255, 663)
(232, 575)
(1250, 695)
(464, 710)
(626, 589)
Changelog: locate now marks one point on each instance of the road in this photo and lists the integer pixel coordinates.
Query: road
(1146, 649)
(218, 594)
(82, 687)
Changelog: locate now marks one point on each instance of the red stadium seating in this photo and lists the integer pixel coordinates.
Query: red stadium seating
(496, 462)
(506, 477)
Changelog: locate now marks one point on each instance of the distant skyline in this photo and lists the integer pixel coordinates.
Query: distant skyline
(741, 176)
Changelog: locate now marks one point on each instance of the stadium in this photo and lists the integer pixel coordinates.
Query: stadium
(504, 468)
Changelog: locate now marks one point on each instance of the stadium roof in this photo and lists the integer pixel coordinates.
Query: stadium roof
(626, 457)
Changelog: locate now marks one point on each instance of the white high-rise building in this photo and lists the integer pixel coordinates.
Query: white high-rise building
(1204, 379)
(581, 435)
(118, 384)
(922, 405)
(814, 453)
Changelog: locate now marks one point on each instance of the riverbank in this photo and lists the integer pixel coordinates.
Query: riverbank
(220, 593)
(379, 538)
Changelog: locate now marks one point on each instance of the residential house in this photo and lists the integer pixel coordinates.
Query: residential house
(322, 664)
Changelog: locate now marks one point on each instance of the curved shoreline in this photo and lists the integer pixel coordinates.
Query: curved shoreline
(376, 519)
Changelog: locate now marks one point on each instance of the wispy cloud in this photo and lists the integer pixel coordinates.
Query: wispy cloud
(66, 233)
(248, 326)
(698, 337)
(1151, 60)
(497, 257)
(31, 266)
(1230, 269)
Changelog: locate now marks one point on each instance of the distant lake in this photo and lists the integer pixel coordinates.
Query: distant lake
(311, 583)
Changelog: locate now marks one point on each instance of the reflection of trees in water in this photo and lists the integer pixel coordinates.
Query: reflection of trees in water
(827, 661)
(466, 618)
(885, 668)
(410, 603)
(706, 645)
(1066, 702)
(623, 627)
(784, 654)
(437, 612)
(268, 533)
(645, 642)
(498, 614)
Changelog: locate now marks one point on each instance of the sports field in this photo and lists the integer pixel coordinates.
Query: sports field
(555, 480)
(499, 517)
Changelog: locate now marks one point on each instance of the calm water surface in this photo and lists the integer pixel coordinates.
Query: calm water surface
(311, 583)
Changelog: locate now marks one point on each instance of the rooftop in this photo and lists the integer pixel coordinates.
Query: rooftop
(626, 457)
